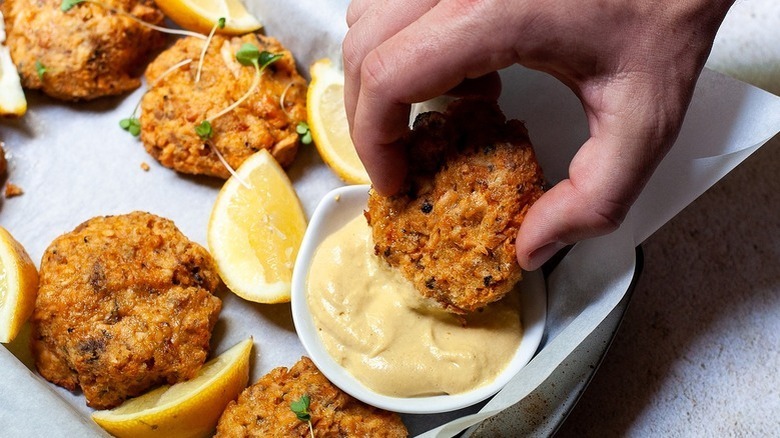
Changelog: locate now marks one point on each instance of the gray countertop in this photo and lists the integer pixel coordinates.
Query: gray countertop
(698, 351)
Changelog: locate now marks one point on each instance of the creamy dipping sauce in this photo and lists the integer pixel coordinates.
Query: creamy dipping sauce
(374, 323)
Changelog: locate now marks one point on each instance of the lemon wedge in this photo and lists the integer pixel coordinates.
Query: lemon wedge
(202, 15)
(18, 286)
(12, 101)
(255, 230)
(186, 409)
(328, 123)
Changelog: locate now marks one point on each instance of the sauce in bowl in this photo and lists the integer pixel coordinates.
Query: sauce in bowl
(374, 323)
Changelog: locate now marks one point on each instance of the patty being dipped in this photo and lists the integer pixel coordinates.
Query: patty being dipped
(451, 228)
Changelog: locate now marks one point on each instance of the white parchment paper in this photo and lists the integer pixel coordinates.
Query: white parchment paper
(74, 162)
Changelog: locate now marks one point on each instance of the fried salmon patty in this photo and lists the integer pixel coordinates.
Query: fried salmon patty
(451, 229)
(125, 303)
(263, 409)
(83, 53)
(175, 104)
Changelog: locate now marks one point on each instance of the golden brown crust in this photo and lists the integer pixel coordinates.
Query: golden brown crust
(451, 229)
(263, 409)
(88, 51)
(175, 104)
(125, 303)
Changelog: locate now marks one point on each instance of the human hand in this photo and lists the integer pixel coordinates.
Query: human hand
(632, 63)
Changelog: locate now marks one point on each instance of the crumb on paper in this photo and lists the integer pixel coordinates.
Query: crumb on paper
(145, 166)
(12, 190)
(337, 198)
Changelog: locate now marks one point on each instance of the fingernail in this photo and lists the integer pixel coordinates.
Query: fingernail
(540, 255)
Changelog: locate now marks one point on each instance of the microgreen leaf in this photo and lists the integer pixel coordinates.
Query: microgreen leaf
(268, 58)
(300, 408)
(248, 54)
(221, 23)
(204, 130)
(69, 4)
(131, 125)
(303, 130)
(40, 69)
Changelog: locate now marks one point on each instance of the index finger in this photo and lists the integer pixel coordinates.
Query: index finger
(371, 22)
(424, 60)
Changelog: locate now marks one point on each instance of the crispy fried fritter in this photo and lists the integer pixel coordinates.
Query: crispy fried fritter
(451, 229)
(263, 409)
(175, 104)
(87, 52)
(125, 303)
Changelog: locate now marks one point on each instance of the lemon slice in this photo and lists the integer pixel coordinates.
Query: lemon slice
(255, 230)
(12, 101)
(18, 286)
(328, 123)
(202, 15)
(186, 409)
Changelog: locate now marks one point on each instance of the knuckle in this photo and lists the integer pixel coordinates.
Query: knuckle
(353, 12)
(374, 74)
(607, 216)
(604, 215)
(483, 10)
(600, 213)
(351, 53)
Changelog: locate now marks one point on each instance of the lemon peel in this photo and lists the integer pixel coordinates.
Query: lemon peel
(328, 123)
(18, 286)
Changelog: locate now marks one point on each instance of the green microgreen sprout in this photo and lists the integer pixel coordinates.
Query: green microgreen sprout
(303, 130)
(131, 125)
(204, 130)
(40, 69)
(300, 408)
(267, 58)
(67, 5)
(220, 24)
(247, 54)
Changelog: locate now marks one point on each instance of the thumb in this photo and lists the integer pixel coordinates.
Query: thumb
(605, 178)
(632, 125)
(563, 215)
